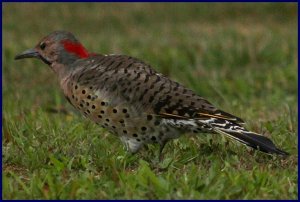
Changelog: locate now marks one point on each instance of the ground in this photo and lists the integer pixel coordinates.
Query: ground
(241, 57)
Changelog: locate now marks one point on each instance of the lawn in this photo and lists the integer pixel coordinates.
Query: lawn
(241, 57)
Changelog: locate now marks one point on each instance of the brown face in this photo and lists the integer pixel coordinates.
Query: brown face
(60, 47)
(44, 50)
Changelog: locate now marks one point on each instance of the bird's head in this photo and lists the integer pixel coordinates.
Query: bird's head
(59, 47)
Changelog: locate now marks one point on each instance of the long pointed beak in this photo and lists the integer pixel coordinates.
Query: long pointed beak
(30, 53)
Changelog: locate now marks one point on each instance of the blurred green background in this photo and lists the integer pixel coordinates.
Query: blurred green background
(242, 57)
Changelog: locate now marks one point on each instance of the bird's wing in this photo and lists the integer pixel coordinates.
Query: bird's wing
(182, 103)
(169, 99)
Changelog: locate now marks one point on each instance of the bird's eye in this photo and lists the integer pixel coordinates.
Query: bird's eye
(43, 45)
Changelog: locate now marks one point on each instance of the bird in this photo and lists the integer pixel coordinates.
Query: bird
(132, 100)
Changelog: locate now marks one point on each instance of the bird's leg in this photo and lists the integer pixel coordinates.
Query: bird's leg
(161, 148)
(146, 148)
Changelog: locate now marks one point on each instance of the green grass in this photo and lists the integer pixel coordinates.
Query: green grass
(241, 57)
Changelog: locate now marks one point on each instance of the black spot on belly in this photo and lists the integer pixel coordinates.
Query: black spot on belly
(157, 122)
(149, 117)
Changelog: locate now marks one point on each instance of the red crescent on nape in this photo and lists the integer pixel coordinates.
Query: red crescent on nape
(75, 48)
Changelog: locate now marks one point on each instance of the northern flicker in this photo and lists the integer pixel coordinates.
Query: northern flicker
(132, 100)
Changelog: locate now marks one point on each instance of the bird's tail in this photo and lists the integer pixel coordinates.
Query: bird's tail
(248, 138)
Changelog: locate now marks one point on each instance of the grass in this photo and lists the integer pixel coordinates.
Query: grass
(241, 57)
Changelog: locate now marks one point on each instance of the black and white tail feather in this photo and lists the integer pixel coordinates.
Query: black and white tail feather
(230, 129)
(239, 133)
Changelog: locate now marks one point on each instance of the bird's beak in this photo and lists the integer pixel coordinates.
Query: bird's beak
(30, 53)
